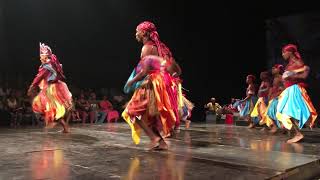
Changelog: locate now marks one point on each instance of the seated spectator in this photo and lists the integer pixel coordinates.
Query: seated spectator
(106, 106)
(83, 107)
(96, 114)
(28, 114)
(212, 107)
(4, 115)
(4, 90)
(15, 110)
(75, 115)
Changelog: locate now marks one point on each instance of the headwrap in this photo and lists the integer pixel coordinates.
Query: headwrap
(294, 50)
(163, 50)
(279, 66)
(46, 50)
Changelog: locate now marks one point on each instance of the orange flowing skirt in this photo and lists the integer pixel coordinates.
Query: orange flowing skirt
(52, 101)
(151, 104)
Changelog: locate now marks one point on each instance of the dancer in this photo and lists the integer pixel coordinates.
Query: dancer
(185, 111)
(276, 89)
(146, 33)
(150, 107)
(260, 108)
(295, 108)
(249, 102)
(54, 100)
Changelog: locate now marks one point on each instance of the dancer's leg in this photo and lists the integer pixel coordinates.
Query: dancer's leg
(298, 135)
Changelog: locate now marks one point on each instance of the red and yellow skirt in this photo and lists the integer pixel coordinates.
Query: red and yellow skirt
(52, 101)
(151, 104)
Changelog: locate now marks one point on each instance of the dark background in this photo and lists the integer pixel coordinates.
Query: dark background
(216, 45)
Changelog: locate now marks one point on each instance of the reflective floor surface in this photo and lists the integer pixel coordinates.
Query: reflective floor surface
(205, 151)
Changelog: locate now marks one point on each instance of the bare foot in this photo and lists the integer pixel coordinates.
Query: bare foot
(162, 145)
(273, 129)
(51, 125)
(154, 143)
(263, 129)
(66, 130)
(251, 126)
(65, 126)
(296, 138)
(188, 124)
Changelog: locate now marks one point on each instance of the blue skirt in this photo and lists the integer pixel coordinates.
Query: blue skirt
(272, 111)
(294, 103)
(248, 107)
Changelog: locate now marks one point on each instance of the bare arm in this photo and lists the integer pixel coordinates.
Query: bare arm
(302, 75)
(250, 93)
(148, 50)
(266, 87)
(248, 97)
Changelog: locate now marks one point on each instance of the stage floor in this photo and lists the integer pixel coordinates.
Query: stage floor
(205, 151)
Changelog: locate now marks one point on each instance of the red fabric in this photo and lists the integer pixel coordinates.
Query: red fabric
(57, 67)
(47, 101)
(290, 83)
(106, 107)
(229, 119)
(293, 49)
(292, 65)
(163, 50)
(278, 66)
(43, 73)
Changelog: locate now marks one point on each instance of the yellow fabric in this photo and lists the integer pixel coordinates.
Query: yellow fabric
(163, 103)
(51, 102)
(260, 110)
(180, 96)
(268, 120)
(311, 108)
(60, 109)
(135, 130)
(286, 120)
(150, 104)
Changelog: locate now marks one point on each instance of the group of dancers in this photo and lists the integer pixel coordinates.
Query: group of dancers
(158, 104)
(282, 101)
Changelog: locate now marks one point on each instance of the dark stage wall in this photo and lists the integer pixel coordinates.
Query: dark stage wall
(3, 42)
